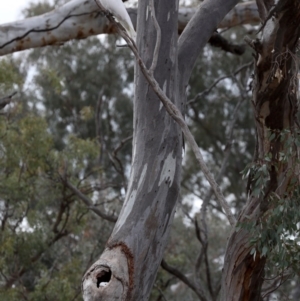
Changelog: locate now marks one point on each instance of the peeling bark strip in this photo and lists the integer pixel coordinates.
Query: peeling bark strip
(79, 19)
(275, 89)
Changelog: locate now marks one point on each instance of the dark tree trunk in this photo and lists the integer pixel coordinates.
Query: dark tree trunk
(275, 88)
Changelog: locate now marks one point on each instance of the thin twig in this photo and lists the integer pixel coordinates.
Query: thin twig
(114, 158)
(227, 151)
(105, 186)
(99, 128)
(202, 237)
(208, 90)
(200, 293)
(160, 292)
(121, 144)
(274, 286)
(177, 116)
(6, 100)
(89, 203)
(203, 231)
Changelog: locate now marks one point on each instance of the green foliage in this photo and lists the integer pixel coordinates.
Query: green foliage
(9, 75)
(48, 237)
(72, 77)
(41, 224)
(276, 234)
(39, 8)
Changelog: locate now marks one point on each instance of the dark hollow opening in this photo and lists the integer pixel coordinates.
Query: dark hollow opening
(103, 276)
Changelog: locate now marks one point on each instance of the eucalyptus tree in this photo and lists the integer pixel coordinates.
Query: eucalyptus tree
(127, 268)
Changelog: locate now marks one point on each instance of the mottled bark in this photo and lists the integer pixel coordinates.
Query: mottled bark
(141, 232)
(275, 107)
(79, 19)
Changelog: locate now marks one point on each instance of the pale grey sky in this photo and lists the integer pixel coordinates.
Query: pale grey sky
(11, 10)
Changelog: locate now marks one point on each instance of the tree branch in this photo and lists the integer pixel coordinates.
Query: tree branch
(198, 31)
(175, 113)
(89, 203)
(200, 293)
(115, 159)
(80, 19)
(4, 101)
(98, 125)
(208, 90)
(216, 40)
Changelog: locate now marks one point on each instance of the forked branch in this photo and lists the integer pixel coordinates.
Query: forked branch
(89, 204)
(173, 111)
(4, 101)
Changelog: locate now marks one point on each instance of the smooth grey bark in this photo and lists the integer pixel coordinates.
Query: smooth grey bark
(142, 229)
(79, 19)
(195, 36)
(141, 232)
(275, 88)
(197, 33)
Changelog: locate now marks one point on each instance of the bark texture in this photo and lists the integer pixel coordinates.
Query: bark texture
(142, 229)
(196, 34)
(275, 106)
(79, 19)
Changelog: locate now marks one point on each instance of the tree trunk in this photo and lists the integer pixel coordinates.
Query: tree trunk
(134, 251)
(275, 106)
(127, 268)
